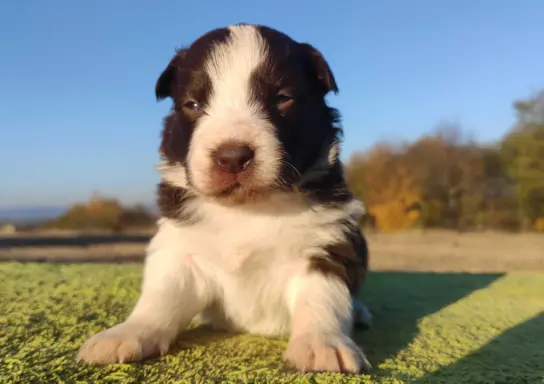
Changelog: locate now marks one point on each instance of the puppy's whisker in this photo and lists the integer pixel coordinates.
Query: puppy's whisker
(291, 166)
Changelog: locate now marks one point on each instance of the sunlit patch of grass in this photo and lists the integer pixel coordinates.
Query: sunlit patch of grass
(428, 328)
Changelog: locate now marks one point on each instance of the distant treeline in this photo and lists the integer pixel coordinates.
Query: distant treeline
(102, 213)
(447, 180)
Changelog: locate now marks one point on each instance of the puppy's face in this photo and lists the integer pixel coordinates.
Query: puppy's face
(249, 113)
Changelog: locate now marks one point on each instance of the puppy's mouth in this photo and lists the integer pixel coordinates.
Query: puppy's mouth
(239, 192)
(229, 190)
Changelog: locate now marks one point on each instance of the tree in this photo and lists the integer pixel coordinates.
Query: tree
(103, 214)
(385, 184)
(523, 154)
(449, 169)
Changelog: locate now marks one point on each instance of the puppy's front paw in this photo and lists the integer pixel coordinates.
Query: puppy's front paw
(326, 353)
(123, 343)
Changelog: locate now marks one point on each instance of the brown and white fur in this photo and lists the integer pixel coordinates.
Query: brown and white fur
(259, 232)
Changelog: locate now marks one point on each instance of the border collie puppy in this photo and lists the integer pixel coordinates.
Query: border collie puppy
(258, 231)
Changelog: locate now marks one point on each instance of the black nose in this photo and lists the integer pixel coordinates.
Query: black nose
(233, 158)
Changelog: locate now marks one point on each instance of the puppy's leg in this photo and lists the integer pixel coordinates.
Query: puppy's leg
(173, 292)
(321, 324)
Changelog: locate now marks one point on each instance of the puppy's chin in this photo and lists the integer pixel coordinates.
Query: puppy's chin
(239, 195)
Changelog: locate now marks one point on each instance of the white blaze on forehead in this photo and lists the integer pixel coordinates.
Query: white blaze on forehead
(232, 115)
(230, 66)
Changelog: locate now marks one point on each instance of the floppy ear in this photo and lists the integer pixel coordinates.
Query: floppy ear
(165, 83)
(325, 77)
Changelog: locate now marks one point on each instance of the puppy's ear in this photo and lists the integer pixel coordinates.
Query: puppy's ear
(165, 83)
(321, 69)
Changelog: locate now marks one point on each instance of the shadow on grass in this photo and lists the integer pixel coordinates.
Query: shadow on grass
(398, 300)
(201, 335)
(516, 356)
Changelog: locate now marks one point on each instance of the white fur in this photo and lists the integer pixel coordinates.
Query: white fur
(173, 174)
(251, 255)
(231, 114)
(315, 296)
(333, 153)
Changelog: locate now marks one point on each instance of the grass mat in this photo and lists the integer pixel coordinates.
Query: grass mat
(429, 328)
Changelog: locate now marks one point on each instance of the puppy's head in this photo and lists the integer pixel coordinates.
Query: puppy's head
(249, 113)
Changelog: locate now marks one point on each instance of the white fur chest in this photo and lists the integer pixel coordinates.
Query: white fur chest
(248, 257)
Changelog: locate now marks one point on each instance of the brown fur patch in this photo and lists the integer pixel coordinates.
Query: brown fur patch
(347, 260)
(172, 202)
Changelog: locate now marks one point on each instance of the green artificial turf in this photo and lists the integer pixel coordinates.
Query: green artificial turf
(428, 328)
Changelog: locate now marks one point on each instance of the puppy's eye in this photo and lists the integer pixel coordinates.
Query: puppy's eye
(282, 98)
(192, 105)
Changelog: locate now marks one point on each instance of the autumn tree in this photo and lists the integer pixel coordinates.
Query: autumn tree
(449, 169)
(386, 185)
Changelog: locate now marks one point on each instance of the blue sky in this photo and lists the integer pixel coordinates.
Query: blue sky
(77, 106)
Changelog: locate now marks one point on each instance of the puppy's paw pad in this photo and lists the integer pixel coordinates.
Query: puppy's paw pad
(326, 353)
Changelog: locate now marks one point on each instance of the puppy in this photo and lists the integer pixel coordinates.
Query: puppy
(259, 232)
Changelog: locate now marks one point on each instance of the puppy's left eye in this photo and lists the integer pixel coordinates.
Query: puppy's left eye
(284, 100)
(193, 106)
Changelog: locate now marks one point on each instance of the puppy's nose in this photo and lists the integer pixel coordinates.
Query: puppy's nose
(233, 158)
